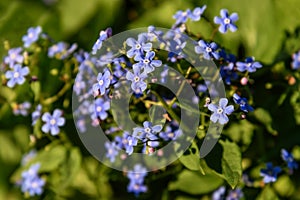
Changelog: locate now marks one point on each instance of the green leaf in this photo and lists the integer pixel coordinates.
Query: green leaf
(264, 117)
(191, 159)
(36, 89)
(267, 194)
(51, 159)
(231, 163)
(284, 186)
(195, 183)
(241, 133)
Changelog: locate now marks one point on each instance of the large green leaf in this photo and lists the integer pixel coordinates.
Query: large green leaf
(191, 158)
(195, 183)
(231, 163)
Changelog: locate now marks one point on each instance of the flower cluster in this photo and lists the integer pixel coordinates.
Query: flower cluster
(136, 178)
(31, 182)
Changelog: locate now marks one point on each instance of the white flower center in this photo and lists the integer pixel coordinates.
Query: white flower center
(136, 79)
(137, 46)
(101, 82)
(98, 108)
(208, 49)
(30, 35)
(146, 61)
(16, 75)
(249, 64)
(13, 56)
(52, 121)
(170, 135)
(227, 21)
(147, 130)
(220, 111)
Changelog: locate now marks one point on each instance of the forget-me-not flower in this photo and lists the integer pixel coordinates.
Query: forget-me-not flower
(209, 50)
(138, 47)
(289, 159)
(249, 65)
(32, 36)
(147, 62)
(14, 56)
(103, 82)
(226, 21)
(137, 79)
(16, 75)
(296, 60)
(52, 122)
(220, 111)
(270, 173)
(242, 102)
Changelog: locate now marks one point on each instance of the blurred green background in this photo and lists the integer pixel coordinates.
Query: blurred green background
(268, 30)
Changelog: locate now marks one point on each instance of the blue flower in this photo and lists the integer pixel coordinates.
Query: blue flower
(28, 157)
(137, 79)
(197, 12)
(296, 60)
(127, 142)
(228, 73)
(100, 108)
(14, 56)
(169, 134)
(289, 159)
(32, 36)
(22, 108)
(136, 178)
(220, 111)
(79, 85)
(182, 16)
(52, 122)
(226, 21)
(146, 62)
(235, 194)
(103, 35)
(148, 132)
(16, 75)
(209, 50)
(31, 183)
(36, 114)
(219, 193)
(249, 65)
(270, 173)
(103, 82)
(243, 102)
(111, 151)
(138, 47)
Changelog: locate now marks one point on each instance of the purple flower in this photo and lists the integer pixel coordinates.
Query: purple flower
(28, 157)
(100, 108)
(242, 102)
(111, 151)
(137, 79)
(235, 194)
(36, 114)
(270, 173)
(138, 47)
(146, 62)
(103, 35)
(148, 132)
(209, 50)
(14, 56)
(52, 122)
(16, 75)
(22, 108)
(296, 60)
(169, 134)
(249, 65)
(289, 159)
(32, 36)
(136, 177)
(219, 193)
(220, 111)
(31, 183)
(181, 17)
(103, 82)
(226, 21)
